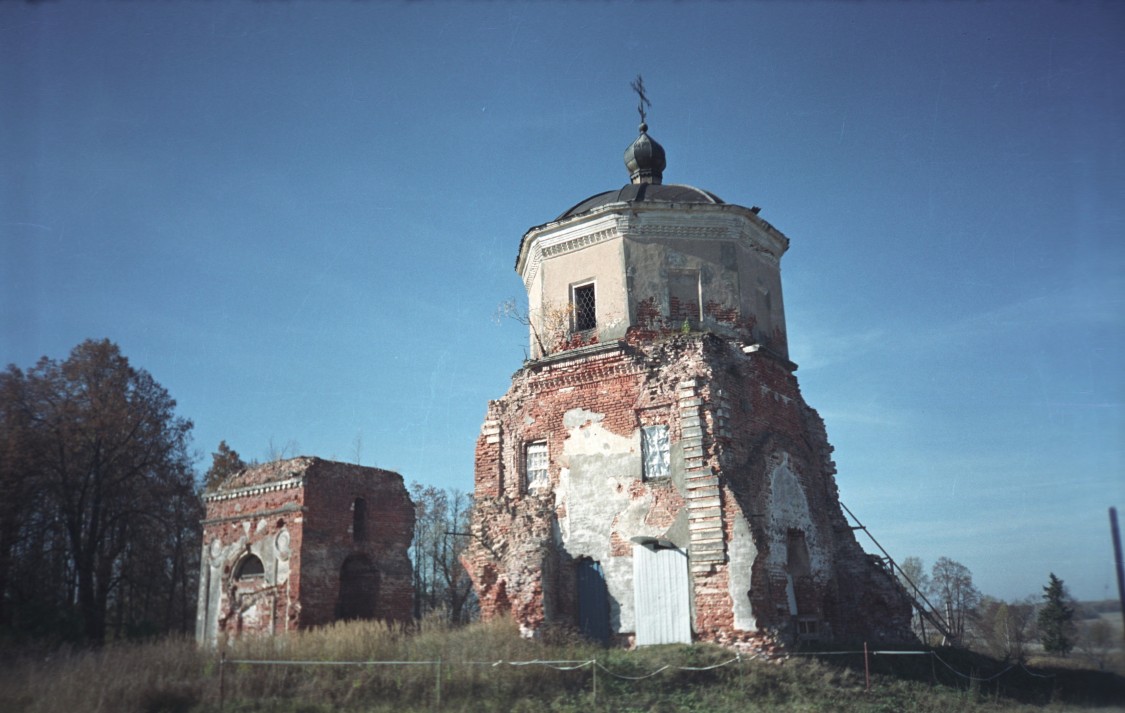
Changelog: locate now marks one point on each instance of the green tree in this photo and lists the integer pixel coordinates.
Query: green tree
(108, 521)
(1056, 618)
(225, 461)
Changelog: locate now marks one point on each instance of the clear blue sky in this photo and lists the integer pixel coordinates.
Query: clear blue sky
(301, 217)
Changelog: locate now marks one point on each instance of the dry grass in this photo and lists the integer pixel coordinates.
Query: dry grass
(173, 676)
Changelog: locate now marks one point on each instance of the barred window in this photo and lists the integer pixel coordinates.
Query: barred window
(585, 308)
(535, 465)
(655, 451)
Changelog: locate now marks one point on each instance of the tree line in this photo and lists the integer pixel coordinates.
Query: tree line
(1003, 629)
(100, 507)
(99, 514)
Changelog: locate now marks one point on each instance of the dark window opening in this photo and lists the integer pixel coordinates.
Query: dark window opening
(585, 308)
(798, 554)
(250, 568)
(359, 520)
(807, 628)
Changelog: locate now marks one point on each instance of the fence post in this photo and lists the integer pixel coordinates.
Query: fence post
(595, 667)
(438, 697)
(222, 681)
(866, 666)
(741, 674)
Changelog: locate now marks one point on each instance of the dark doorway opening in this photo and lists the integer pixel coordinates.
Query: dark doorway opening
(593, 601)
(359, 589)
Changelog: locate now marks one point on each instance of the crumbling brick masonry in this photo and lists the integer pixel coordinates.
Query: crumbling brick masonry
(303, 542)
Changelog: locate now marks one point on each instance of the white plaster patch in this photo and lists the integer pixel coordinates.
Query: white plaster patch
(579, 417)
(595, 492)
(742, 553)
(789, 509)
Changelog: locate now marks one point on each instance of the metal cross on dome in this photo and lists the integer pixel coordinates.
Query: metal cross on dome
(638, 86)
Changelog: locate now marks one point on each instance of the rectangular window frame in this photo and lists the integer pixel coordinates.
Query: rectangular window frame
(808, 628)
(583, 318)
(693, 279)
(536, 466)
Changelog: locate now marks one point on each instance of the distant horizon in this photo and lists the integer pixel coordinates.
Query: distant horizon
(301, 218)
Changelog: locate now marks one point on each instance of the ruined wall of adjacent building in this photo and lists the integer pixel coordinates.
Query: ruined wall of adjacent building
(297, 517)
(258, 512)
(750, 495)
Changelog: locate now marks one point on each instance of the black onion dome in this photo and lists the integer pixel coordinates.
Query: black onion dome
(645, 159)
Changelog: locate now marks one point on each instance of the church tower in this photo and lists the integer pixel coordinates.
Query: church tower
(653, 475)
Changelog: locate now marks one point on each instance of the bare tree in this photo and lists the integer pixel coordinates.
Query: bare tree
(275, 452)
(440, 581)
(109, 509)
(1095, 641)
(952, 586)
(1006, 628)
(912, 576)
(550, 326)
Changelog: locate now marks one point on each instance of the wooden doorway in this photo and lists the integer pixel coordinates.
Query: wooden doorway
(660, 595)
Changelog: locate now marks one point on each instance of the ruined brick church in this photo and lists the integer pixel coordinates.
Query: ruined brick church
(653, 475)
(302, 542)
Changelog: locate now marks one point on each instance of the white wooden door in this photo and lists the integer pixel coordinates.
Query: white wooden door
(660, 596)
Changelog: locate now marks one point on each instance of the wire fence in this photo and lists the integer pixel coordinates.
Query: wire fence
(596, 666)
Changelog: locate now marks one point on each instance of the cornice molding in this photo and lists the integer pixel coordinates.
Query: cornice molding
(547, 245)
(254, 490)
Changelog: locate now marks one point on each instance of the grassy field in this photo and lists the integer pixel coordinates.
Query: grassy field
(474, 674)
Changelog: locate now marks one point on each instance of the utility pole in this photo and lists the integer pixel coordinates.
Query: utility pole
(1116, 532)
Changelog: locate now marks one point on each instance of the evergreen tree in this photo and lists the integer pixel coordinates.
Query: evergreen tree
(1056, 618)
(224, 462)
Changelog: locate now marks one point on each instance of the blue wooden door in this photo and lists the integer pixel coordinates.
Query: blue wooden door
(593, 601)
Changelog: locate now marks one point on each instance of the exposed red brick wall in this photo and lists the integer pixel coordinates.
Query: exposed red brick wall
(752, 417)
(296, 516)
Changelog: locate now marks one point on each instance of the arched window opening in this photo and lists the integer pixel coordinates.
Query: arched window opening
(359, 589)
(250, 568)
(359, 520)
